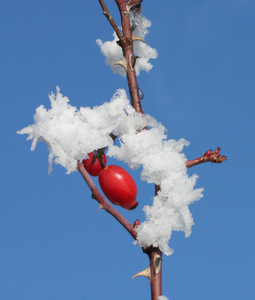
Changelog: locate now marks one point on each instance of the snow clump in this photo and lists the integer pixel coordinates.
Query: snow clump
(162, 298)
(71, 134)
(113, 52)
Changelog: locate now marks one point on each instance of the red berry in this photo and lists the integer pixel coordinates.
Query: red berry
(118, 186)
(93, 167)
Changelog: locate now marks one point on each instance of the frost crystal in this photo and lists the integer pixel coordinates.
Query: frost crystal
(113, 52)
(71, 134)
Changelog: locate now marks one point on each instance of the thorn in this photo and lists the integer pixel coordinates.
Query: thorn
(122, 63)
(157, 263)
(132, 60)
(145, 273)
(100, 207)
(138, 5)
(135, 38)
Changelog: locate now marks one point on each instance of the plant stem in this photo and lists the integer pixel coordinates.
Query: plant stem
(214, 157)
(128, 52)
(126, 40)
(110, 19)
(154, 254)
(106, 205)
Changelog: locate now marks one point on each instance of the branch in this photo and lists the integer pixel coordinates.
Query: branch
(110, 19)
(104, 203)
(126, 39)
(126, 43)
(127, 47)
(154, 254)
(130, 3)
(153, 272)
(214, 157)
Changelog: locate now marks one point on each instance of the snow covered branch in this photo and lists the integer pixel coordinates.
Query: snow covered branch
(130, 59)
(121, 52)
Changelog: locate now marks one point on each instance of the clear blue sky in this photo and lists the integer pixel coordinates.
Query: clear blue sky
(54, 245)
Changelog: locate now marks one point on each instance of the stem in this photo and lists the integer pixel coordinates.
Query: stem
(126, 42)
(155, 256)
(106, 205)
(127, 47)
(110, 19)
(214, 157)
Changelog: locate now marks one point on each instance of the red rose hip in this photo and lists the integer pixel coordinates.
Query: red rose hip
(93, 167)
(118, 186)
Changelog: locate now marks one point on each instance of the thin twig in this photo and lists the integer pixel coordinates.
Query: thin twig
(110, 19)
(209, 156)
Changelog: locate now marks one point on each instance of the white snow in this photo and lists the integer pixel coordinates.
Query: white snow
(71, 134)
(113, 52)
(141, 49)
(162, 298)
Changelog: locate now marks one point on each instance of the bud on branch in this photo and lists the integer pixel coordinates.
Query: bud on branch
(214, 157)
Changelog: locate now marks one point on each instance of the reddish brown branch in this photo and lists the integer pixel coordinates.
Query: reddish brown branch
(128, 52)
(126, 43)
(106, 205)
(155, 257)
(214, 157)
(154, 254)
(129, 3)
(126, 39)
(110, 19)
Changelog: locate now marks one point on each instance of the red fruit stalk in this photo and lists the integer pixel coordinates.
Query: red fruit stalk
(118, 186)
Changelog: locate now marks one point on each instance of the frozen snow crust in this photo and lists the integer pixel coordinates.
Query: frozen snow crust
(71, 134)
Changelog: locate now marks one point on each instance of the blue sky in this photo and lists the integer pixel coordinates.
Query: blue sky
(54, 243)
